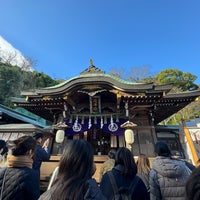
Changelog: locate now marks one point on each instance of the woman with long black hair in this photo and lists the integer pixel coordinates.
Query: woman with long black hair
(125, 180)
(74, 180)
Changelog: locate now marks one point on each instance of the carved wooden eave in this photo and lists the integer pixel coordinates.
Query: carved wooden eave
(172, 103)
(73, 96)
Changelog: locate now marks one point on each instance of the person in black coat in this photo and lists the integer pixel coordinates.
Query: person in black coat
(124, 172)
(18, 181)
(42, 152)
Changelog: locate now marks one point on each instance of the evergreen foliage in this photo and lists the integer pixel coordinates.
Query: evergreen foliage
(13, 80)
(181, 80)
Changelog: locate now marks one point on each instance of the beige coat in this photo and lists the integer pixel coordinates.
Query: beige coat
(107, 166)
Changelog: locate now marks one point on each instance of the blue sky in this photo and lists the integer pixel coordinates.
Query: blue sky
(62, 35)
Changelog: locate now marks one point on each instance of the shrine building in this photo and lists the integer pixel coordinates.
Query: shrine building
(100, 108)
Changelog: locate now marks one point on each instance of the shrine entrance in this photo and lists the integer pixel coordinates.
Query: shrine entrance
(99, 140)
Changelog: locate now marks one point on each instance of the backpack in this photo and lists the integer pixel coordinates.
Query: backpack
(122, 193)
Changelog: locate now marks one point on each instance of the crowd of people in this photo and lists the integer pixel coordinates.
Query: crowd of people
(121, 177)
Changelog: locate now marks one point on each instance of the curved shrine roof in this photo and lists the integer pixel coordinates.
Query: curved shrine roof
(74, 96)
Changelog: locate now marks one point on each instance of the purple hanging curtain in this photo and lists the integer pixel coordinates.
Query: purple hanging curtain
(112, 128)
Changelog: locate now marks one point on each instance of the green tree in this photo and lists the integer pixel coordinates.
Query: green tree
(42, 80)
(181, 80)
(9, 82)
(13, 80)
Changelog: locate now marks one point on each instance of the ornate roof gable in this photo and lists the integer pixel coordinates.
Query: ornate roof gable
(92, 69)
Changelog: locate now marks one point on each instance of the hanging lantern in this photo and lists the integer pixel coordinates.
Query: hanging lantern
(129, 136)
(60, 136)
(128, 133)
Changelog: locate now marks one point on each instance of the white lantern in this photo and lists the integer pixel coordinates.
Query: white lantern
(60, 136)
(128, 133)
(129, 136)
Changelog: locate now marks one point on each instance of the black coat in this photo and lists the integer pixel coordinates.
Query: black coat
(20, 184)
(140, 192)
(40, 156)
